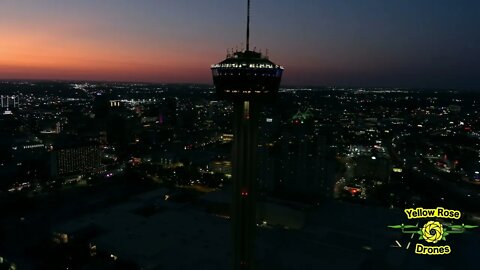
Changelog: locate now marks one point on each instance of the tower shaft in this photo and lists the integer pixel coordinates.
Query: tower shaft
(244, 191)
(248, 79)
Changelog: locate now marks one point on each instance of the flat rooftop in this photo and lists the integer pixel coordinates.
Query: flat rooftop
(163, 234)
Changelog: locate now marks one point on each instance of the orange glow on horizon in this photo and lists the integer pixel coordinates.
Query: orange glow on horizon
(45, 56)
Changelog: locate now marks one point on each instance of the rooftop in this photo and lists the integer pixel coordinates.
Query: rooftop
(334, 236)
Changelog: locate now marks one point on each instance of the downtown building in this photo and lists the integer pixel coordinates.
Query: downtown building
(295, 163)
(69, 158)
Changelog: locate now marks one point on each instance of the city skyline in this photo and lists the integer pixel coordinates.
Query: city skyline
(408, 44)
(265, 134)
(109, 175)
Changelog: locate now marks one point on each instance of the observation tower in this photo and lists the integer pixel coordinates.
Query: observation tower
(250, 80)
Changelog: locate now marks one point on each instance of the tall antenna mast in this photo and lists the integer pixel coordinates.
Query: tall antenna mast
(248, 25)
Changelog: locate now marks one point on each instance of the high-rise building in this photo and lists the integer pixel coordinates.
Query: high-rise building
(73, 159)
(301, 166)
(248, 79)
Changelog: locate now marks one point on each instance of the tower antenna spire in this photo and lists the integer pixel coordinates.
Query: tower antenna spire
(248, 25)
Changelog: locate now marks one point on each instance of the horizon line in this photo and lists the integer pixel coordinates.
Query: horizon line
(2, 80)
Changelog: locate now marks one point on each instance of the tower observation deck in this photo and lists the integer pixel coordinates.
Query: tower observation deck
(247, 75)
(249, 80)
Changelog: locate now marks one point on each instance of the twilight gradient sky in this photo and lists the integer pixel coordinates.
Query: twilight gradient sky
(408, 43)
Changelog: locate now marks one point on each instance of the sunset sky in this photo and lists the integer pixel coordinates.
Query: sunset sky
(408, 43)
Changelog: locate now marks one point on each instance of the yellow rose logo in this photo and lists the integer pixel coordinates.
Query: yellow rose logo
(432, 231)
